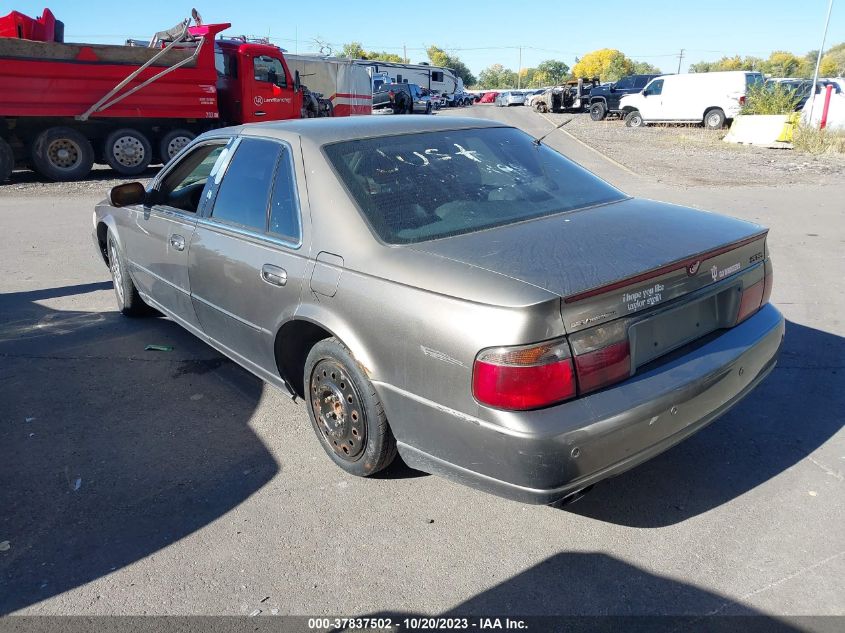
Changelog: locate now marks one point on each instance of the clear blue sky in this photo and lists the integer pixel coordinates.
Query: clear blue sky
(481, 32)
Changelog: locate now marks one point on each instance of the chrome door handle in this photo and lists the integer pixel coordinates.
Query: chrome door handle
(260, 113)
(274, 275)
(177, 242)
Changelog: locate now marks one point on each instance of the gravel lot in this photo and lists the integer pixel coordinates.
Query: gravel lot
(690, 156)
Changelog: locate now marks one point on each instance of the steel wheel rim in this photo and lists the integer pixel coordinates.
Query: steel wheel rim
(713, 120)
(64, 153)
(176, 145)
(128, 151)
(117, 276)
(338, 410)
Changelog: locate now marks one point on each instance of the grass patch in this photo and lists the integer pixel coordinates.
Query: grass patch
(815, 141)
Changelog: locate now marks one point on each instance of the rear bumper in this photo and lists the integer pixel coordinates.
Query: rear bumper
(544, 456)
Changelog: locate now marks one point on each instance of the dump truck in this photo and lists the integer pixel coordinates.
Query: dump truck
(65, 106)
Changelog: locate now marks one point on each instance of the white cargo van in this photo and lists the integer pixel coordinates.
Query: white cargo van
(708, 98)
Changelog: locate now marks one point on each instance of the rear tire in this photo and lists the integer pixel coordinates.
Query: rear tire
(7, 160)
(129, 302)
(127, 151)
(345, 411)
(172, 143)
(714, 119)
(62, 153)
(634, 119)
(598, 111)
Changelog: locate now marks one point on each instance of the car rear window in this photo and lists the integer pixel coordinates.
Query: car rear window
(417, 187)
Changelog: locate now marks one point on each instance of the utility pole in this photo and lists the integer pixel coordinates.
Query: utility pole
(519, 71)
(405, 53)
(680, 59)
(818, 64)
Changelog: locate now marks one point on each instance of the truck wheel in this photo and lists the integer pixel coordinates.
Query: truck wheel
(345, 411)
(714, 119)
(172, 143)
(541, 107)
(598, 111)
(7, 160)
(127, 151)
(428, 108)
(634, 119)
(62, 153)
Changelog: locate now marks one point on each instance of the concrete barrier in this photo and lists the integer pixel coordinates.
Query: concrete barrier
(768, 130)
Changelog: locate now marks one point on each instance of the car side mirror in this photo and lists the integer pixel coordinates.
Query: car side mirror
(297, 84)
(645, 93)
(127, 194)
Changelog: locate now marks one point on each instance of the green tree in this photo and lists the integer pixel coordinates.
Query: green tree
(439, 57)
(782, 64)
(644, 68)
(551, 72)
(497, 76)
(354, 50)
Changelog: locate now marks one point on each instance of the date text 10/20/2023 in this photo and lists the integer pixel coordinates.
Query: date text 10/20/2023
(416, 623)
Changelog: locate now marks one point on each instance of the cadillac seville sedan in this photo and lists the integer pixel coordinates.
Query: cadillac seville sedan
(452, 290)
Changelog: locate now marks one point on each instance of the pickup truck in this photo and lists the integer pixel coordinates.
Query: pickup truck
(402, 99)
(604, 99)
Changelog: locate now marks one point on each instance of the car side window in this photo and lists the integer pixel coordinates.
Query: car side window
(640, 83)
(284, 210)
(655, 87)
(183, 185)
(626, 83)
(243, 195)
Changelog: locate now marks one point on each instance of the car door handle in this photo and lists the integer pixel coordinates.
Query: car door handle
(260, 113)
(177, 242)
(274, 275)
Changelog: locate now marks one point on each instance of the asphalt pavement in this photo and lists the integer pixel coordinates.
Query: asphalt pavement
(144, 482)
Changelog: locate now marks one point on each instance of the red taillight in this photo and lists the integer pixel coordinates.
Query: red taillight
(603, 366)
(742, 100)
(602, 355)
(752, 299)
(525, 377)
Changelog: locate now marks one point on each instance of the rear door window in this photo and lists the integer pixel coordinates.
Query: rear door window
(284, 209)
(243, 196)
(626, 83)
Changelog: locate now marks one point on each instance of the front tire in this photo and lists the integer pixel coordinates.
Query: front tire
(714, 119)
(129, 302)
(634, 119)
(345, 411)
(128, 152)
(62, 153)
(598, 111)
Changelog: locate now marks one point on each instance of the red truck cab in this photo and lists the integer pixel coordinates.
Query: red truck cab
(254, 83)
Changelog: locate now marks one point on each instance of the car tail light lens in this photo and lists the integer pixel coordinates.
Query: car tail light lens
(769, 279)
(524, 377)
(602, 355)
(752, 299)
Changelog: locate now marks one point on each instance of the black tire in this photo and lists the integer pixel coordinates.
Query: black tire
(541, 107)
(598, 111)
(62, 153)
(345, 411)
(129, 302)
(172, 143)
(714, 119)
(428, 108)
(127, 151)
(634, 119)
(7, 160)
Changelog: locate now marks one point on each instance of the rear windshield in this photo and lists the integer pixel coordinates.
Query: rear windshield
(418, 187)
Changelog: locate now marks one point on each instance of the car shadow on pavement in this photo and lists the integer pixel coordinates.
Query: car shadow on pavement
(593, 591)
(787, 417)
(108, 452)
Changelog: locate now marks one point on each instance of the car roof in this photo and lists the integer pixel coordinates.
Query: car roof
(326, 130)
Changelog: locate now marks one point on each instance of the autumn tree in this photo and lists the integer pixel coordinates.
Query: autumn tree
(439, 57)
(354, 50)
(608, 64)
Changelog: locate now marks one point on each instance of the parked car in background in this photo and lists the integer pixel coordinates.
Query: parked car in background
(802, 88)
(396, 296)
(530, 95)
(437, 99)
(707, 98)
(510, 98)
(402, 99)
(605, 98)
(488, 97)
(574, 95)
